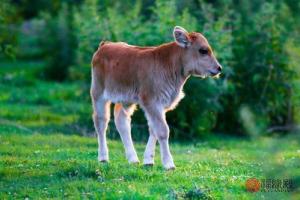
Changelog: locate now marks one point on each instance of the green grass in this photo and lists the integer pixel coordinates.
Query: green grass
(58, 166)
(46, 151)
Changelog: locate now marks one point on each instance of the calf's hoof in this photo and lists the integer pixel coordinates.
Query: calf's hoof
(148, 164)
(103, 159)
(133, 158)
(171, 168)
(136, 162)
(148, 161)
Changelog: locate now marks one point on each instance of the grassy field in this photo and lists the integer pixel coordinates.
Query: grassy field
(47, 151)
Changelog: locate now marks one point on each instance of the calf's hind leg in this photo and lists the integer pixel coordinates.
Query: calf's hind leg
(101, 118)
(122, 115)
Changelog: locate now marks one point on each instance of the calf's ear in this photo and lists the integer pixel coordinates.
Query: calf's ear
(181, 37)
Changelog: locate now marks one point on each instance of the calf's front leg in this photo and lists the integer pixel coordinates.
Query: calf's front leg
(158, 124)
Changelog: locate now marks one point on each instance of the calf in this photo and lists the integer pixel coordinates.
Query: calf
(151, 77)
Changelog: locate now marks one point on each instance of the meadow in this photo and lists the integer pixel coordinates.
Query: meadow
(47, 150)
(225, 131)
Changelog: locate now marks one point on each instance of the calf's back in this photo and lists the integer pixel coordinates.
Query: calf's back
(125, 73)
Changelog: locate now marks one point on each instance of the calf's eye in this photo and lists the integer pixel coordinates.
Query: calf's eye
(203, 51)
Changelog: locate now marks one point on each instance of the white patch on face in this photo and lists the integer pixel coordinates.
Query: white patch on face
(200, 76)
(217, 76)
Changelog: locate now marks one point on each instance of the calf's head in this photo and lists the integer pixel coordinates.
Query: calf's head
(197, 57)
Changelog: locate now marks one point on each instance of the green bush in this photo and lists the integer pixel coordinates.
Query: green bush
(262, 74)
(59, 44)
(8, 30)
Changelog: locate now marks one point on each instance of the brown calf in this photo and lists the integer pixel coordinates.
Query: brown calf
(151, 77)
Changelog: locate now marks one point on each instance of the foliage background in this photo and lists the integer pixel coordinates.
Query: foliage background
(257, 42)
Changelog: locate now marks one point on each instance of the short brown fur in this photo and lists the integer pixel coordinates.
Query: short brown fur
(152, 77)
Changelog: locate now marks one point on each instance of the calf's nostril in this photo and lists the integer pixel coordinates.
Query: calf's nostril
(219, 68)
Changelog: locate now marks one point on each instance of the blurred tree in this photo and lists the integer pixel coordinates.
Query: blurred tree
(59, 44)
(28, 10)
(8, 29)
